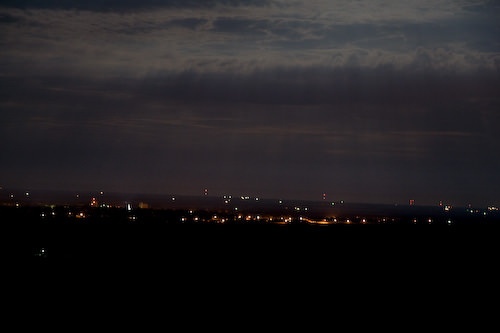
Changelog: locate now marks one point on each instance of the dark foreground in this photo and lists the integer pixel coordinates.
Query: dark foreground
(202, 250)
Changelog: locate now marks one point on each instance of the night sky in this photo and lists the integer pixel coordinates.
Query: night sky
(369, 101)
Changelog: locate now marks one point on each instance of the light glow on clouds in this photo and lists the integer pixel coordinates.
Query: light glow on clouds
(247, 38)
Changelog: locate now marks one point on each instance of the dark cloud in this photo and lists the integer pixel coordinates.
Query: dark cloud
(126, 5)
(6, 18)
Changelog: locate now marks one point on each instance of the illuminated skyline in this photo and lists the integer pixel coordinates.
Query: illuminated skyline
(369, 101)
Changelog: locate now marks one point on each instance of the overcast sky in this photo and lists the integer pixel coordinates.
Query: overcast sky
(368, 101)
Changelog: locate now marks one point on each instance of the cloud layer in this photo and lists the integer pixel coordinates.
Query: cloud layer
(370, 100)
